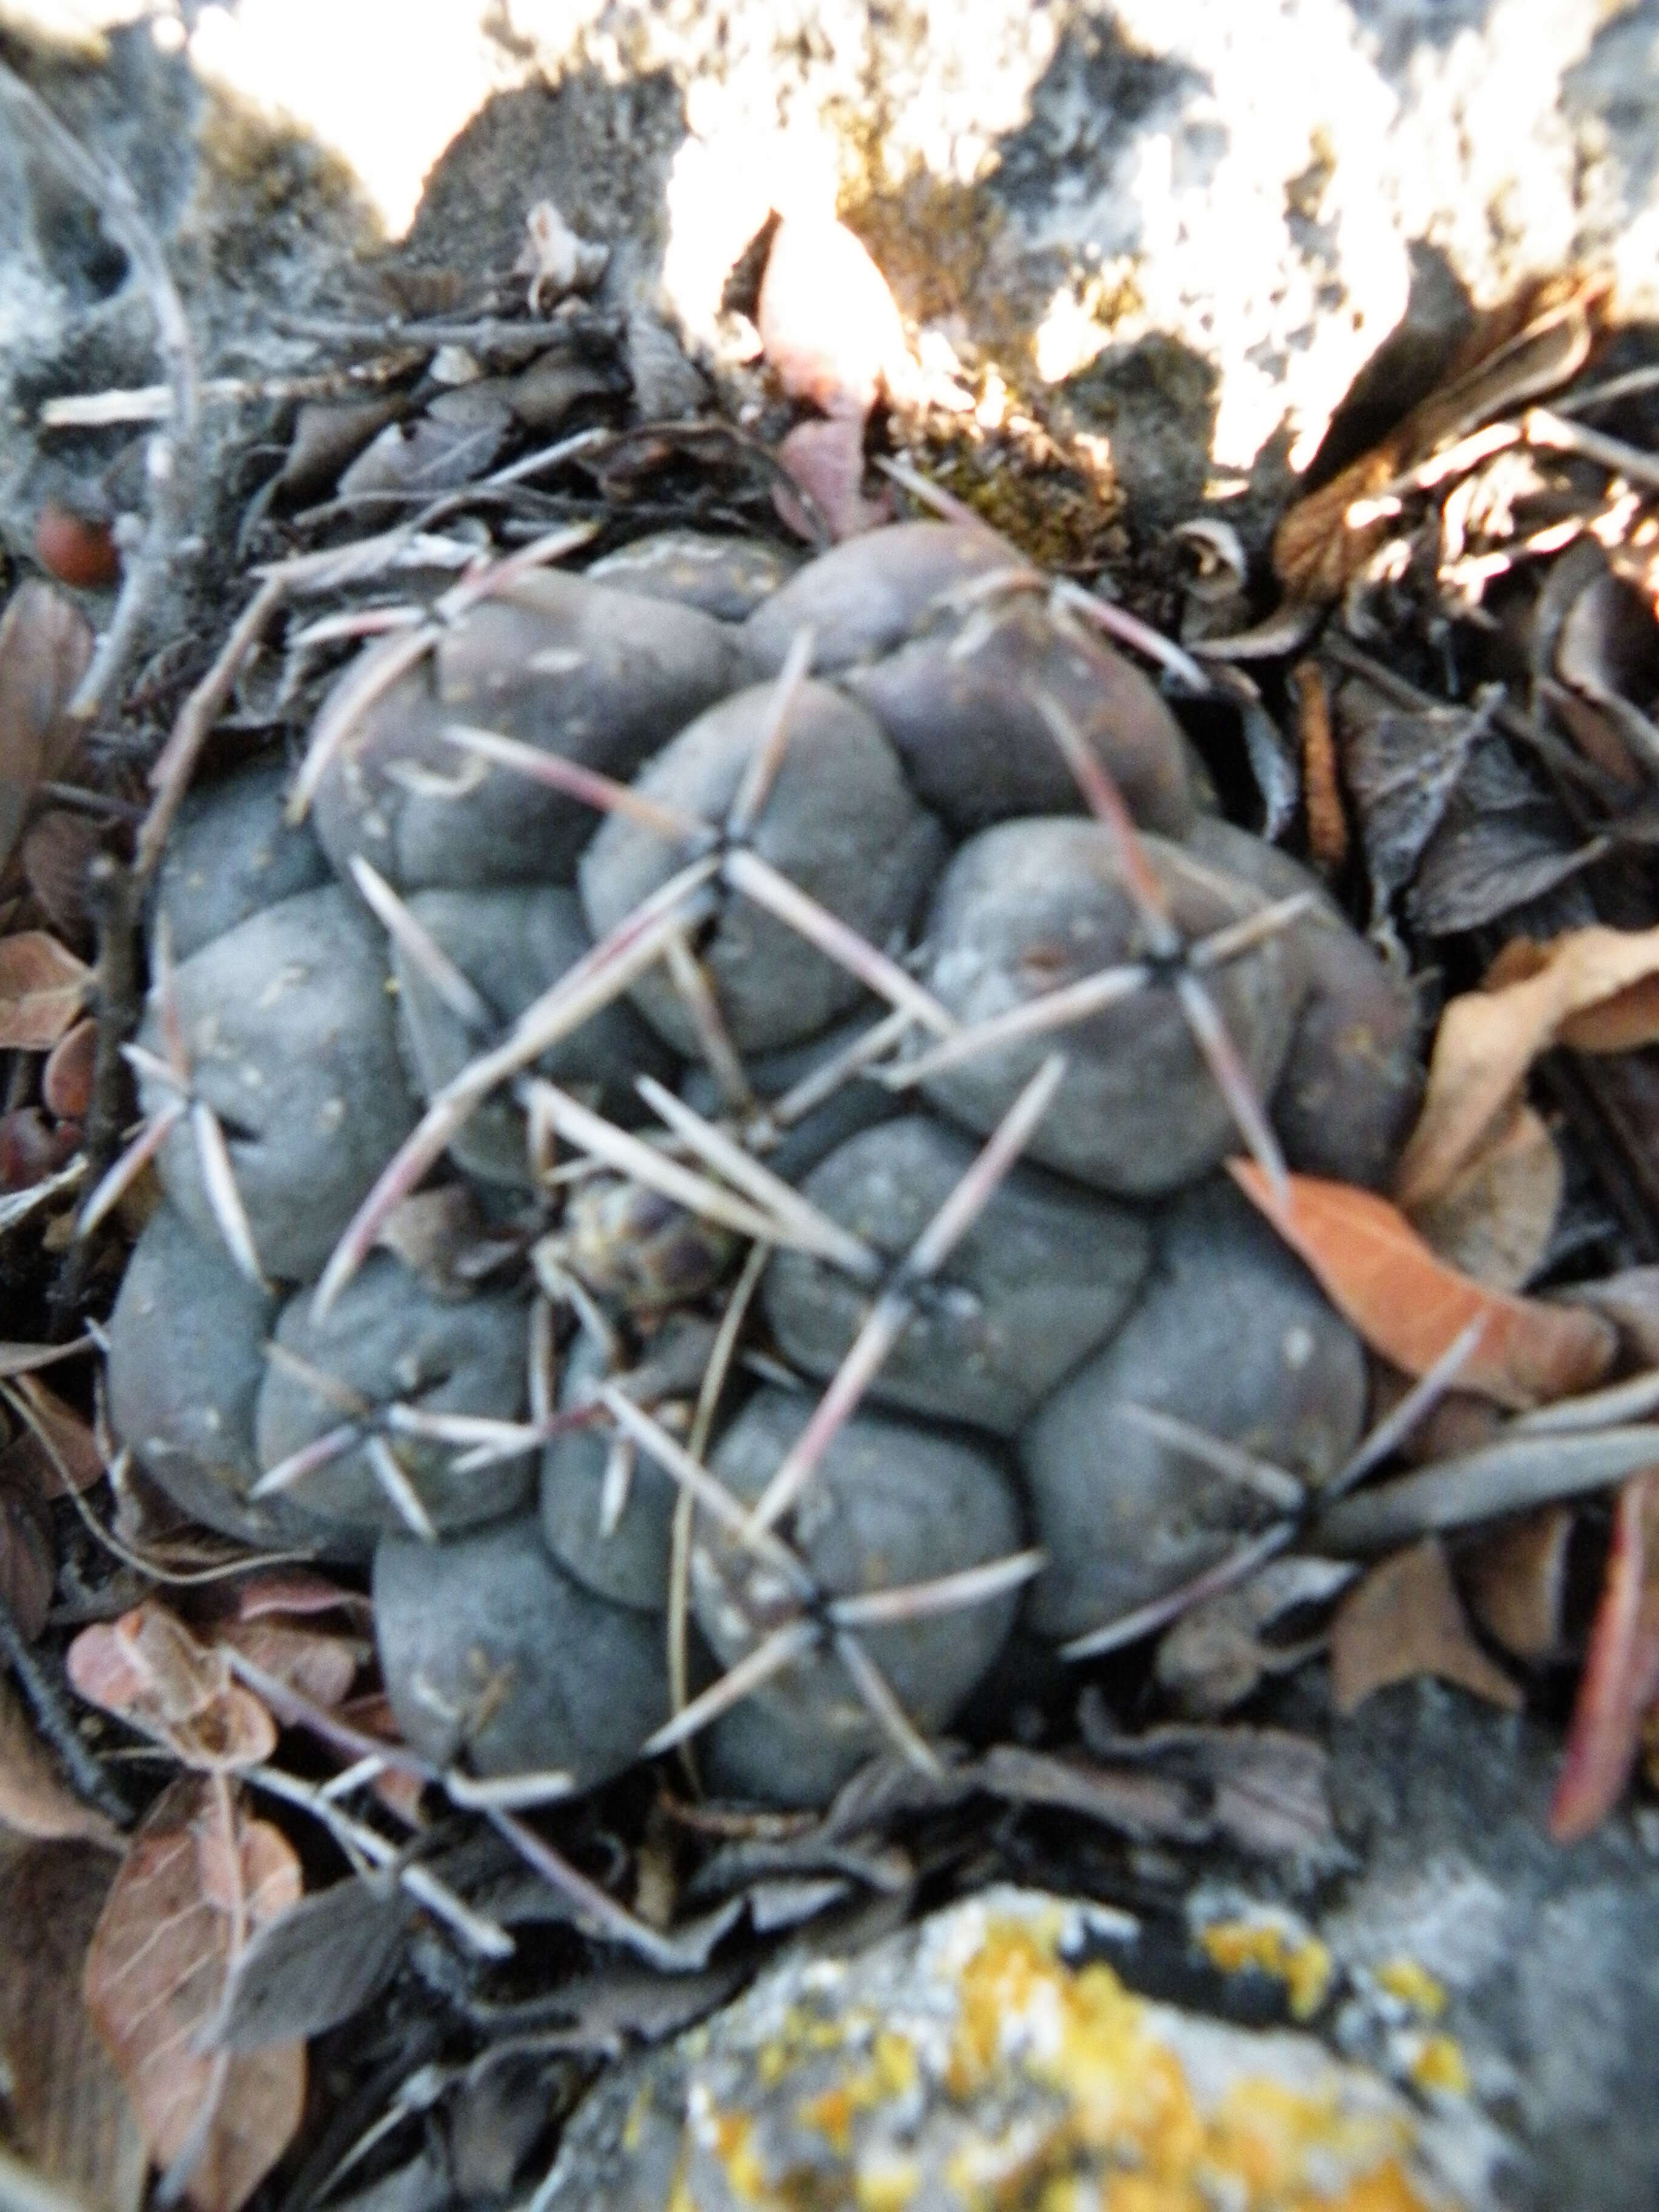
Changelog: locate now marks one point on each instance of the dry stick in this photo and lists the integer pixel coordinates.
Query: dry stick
(890, 1313)
(55, 1720)
(153, 403)
(170, 456)
(1555, 433)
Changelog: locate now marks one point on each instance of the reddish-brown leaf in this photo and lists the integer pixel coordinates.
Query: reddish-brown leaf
(296, 1590)
(149, 1668)
(66, 1082)
(1404, 1620)
(1493, 1217)
(43, 987)
(200, 1877)
(45, 645)
(1620, 1679)
(320, 1666)
(1410, 1307)
(34, 1800)
(64, 2100)
(31, 1148)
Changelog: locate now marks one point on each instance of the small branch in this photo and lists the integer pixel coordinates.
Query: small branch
(171, 456)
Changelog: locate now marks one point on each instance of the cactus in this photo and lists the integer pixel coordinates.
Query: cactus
(831, 999)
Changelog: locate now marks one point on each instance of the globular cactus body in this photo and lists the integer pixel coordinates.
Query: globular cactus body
(805, 1040)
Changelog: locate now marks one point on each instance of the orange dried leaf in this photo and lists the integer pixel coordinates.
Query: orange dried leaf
(1403, 1621)
(1620, 1679)
(320, 1666)
(43, 987)
(1411, 1307)
(200, 1877)
(35, 1801)
(1589, 989)
(148, 1669)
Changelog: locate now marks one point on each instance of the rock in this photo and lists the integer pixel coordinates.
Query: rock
(512, 945)
(1034, 905)
(839, 823)
(989, 2041)
(1231, 1335)
(561, 664)
(1352, 1082)
(287, 1025)
(231, 854)
(388, 1339)
(493, 1654)
(726, 577)
(627, 1563)
(889, 1504)
(1045, 1273)
(186, 1357)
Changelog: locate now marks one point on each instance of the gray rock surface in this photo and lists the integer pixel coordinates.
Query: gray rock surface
(978, 2042)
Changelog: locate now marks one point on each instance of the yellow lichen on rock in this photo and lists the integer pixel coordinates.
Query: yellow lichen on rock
(1302, 1962)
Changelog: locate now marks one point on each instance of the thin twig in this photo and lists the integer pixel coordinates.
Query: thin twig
(57, 1724)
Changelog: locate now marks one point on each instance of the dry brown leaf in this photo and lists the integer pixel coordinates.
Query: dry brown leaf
(1404, 1620)
(320, 1666)
(1620, 1681)
(1493, 1219)
(200, 1877)
(45, 647)
(71, 2116)
(58, 850)
(148, 1669)
(73, 1460)
(1411, 1307)
(43, 987)
(1517, 351)
(34, 1800)
(32, 1148)
(1589, 989)
(1516, 1580)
